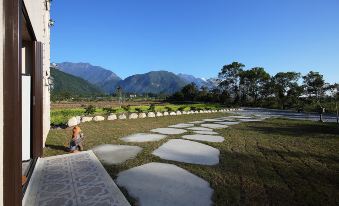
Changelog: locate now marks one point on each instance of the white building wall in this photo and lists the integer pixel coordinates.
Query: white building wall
(1, 103)
(39, 14)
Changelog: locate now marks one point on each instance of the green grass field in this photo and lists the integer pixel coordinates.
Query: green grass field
(275, 162)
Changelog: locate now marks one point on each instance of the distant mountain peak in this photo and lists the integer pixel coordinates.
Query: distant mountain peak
(99, 76)
(155, 81)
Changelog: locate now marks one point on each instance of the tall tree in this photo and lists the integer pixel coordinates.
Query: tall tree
(229, 79)
(190, 91)
(314, 84)
(253, 82)
(285, 84)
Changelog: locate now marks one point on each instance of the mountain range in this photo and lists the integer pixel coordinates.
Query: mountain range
(155, 82)
(66, 83)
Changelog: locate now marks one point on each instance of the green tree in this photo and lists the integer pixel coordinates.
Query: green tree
(229, 79)
(253, 82)
(203, 94)
(284, 85)
(314, 84)
(190, 91)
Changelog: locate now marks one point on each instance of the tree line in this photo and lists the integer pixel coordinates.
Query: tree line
(238, 86)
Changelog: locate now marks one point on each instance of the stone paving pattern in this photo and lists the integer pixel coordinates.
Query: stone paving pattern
(72, 180)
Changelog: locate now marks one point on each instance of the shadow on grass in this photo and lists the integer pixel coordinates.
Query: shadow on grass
(309, 130)
(56, 147)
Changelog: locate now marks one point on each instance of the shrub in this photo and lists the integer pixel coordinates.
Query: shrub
(139, 110)
(169, 109)
(182, 108)
(109, 110)
(193, 108)
(152, 108)
(127, 108)
(90, 110)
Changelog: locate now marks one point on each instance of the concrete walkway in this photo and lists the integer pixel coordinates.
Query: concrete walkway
(72, 180)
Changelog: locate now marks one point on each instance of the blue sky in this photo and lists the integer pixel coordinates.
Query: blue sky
(198, 37)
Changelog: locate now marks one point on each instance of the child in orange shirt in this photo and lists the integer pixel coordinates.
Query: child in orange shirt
(76, 142)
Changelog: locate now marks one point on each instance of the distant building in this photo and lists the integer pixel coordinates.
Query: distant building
(25, 92)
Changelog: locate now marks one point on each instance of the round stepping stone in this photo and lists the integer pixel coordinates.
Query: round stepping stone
(250, 120)
(200, 129)
(188, 151)
(143, 137)
(168, 131)
(115, 154)
(197, 122)
(214, 126)
(202, 137)
(213, 120)
(228, 123)
(240, 117)
(205, 132)
(229, 119)
(155, 184)
(181, 125)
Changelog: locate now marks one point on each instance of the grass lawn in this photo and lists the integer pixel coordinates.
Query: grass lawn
(275, 162)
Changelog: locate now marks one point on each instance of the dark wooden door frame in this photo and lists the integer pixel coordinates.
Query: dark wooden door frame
(14, 11)
(37, 93)
(12, 191)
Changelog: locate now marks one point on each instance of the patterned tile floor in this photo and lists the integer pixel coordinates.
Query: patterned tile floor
(72, 180)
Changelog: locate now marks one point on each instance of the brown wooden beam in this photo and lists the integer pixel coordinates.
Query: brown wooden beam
(12, 104)
(37, 92)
